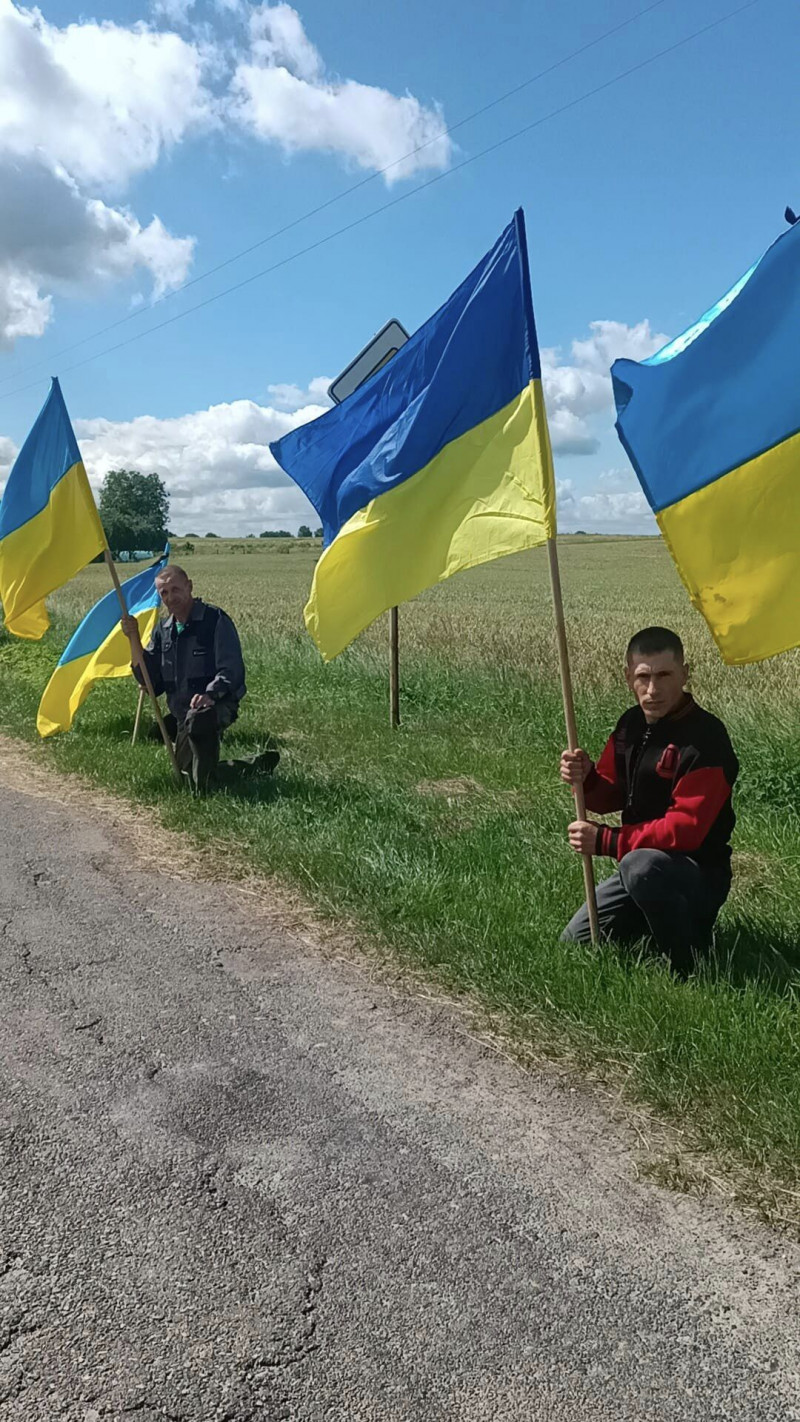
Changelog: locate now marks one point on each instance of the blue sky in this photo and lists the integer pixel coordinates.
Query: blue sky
(169, 138)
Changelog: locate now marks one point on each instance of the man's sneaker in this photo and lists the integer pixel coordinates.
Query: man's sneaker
(247, 767)
(265, 762)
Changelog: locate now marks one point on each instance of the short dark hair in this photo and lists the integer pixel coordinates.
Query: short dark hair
(174, 569)
(652, 640)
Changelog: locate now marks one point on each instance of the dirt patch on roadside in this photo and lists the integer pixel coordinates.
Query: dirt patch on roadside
(454, 789)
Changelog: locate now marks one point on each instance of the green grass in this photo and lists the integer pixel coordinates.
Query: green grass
(446, 840)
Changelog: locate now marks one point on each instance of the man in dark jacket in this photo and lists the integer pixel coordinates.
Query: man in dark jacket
(195, 658)
(669, 767)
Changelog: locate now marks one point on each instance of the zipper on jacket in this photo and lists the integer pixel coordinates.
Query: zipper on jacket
(636, 765)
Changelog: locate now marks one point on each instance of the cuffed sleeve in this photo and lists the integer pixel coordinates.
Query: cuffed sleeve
(229, 676)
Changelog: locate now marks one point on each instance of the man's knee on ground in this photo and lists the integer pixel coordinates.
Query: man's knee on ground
(577, 930)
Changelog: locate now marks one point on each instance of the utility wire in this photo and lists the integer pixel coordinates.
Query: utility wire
(337, 197)
(403, 197)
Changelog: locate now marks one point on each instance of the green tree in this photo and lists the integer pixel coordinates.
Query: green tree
(212, 535)
(318, 532)
(134, 509)
(304, 531)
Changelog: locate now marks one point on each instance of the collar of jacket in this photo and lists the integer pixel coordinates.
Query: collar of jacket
(685, 708)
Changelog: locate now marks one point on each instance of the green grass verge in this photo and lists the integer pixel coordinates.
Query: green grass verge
(446, 842)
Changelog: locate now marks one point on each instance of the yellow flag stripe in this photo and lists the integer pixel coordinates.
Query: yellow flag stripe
(737, 546)
(47, 551)
(488, 493)
(71, 683)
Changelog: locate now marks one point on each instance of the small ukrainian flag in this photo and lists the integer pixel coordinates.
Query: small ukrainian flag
(99, 649)
(49, 524)
(711, 424)
(439, 462)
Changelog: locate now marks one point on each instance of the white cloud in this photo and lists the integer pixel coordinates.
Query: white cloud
(8, 453)
(220, 474)
(215, 463)
(579, 391)
(100, 100)
(88, 105)
(283, 95)
(86, 108)
(613, 340)
(616, 506)
(55, 240)
(23, 310)
(291, 397)
(278, 40)
(175, 12)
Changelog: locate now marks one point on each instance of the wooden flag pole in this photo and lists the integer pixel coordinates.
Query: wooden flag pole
(142, 665)
(394, 670)
(142, 695)
(572, 730)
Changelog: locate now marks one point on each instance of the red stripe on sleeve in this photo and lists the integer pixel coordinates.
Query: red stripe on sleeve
(602, 789)
(696, 802)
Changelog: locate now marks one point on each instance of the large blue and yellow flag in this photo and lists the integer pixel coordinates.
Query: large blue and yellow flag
(711, 424)
(99, 649)
(439, 462)
(49, 524)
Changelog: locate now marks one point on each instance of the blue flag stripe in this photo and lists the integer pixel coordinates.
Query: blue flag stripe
(48, 453)
(730, 394)
(140, 594)
(461, 367)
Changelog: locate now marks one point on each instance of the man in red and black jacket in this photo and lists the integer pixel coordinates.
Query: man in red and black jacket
(669, 767)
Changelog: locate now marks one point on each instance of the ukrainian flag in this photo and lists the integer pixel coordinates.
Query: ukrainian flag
(99, 649)
(439, 462)
(711, 425)
(49, 524)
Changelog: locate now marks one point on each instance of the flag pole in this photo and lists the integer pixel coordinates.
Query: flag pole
(572, 730)
(394, 670)
(139, 704)
(137, 656)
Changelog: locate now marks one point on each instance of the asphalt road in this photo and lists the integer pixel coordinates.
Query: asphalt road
(241, 1181)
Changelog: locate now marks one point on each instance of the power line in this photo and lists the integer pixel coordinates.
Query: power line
(403, 197)
(338, 197)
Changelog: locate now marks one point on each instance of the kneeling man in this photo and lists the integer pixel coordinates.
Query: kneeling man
(195, 658)
(670, 768)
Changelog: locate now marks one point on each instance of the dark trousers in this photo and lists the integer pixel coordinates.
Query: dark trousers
(666, 897)
(197, 739)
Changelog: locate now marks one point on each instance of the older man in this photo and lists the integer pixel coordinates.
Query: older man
(195, 658)
(669, 767)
